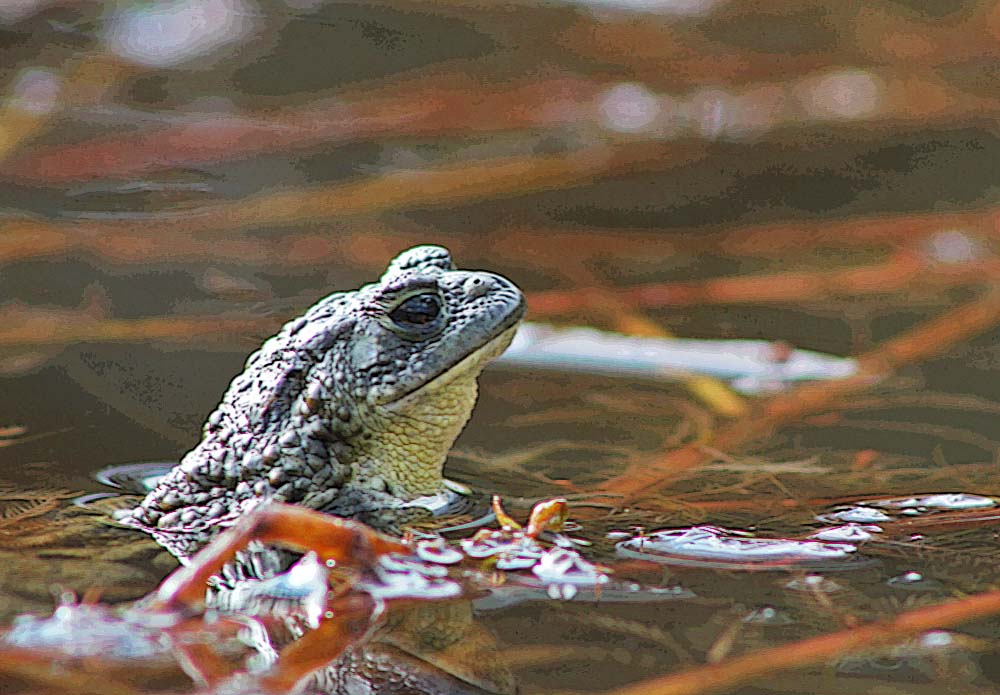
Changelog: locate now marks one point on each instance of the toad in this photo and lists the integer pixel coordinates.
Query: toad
(350, 409)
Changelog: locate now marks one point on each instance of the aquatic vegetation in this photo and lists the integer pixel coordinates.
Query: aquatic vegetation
(345, 586)
(808, 179)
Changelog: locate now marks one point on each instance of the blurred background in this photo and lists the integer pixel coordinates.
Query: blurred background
(186, 174)
(179, 177)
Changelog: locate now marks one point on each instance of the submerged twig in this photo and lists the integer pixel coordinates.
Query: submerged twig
(904, 271)
(34, 326)
(934, 337)
(425, 105)
(817, 650)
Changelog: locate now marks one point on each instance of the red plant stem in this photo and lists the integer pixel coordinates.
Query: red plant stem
(351, 618)
(333, 539)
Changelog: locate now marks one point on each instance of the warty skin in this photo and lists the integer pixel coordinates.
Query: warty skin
(350, 409)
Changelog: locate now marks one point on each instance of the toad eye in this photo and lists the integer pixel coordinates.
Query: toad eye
(417, 311)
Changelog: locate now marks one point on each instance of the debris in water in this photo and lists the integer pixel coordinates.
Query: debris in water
(892, 509)
(814, 583)
(768, 615)
(753, 366)
(396, 577)
(710, 546)
(848, 533)
(857, 515)
(914, 581)
(437, 550)
(948, 501)
(561, 566)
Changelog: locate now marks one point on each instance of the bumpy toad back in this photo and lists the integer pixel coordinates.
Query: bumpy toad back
(350, 409)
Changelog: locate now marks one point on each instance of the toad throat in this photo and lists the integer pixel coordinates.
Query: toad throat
(410, 438)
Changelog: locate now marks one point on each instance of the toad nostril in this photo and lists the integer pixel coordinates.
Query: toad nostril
(476, 287)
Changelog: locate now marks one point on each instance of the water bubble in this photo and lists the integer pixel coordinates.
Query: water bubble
(437, 551)
(564, 541)
(937, 639)
(568, 567)
(841, 94)
(949, 501)
(629, 108)
(564, 592)
(914, 581)
(957, 500)
(170, 32)
(879, 511)
(767, 615)
(814, 583)
(486, 545)
(401, 577)
(518, 561)
(953, 246)
(847, 533)
(859, 515)
(512, 551)
(711, 110)
(404, 563)
(35, 91)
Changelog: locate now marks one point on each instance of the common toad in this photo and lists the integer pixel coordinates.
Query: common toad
(350, 409)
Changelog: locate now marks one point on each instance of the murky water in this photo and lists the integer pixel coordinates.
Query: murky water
(146, 248)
